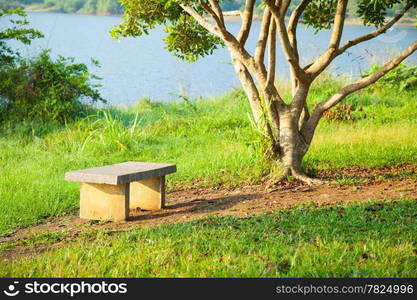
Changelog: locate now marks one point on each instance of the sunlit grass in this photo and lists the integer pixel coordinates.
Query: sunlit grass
(357, 240)
(367, 145)
(211, 141)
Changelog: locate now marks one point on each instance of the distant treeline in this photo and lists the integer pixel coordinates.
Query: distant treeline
(113, 7)
(90, 6)
(69, 6)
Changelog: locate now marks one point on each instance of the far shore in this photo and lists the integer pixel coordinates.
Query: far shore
(227, 18)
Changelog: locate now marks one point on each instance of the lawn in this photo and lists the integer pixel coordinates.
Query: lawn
(358, 240)
(213, 143)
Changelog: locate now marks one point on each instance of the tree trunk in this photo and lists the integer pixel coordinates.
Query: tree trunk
(281, 126)
(293, 147)
(260, 114)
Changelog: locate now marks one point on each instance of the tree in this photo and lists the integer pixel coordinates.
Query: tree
(196, 28)
(17, 31)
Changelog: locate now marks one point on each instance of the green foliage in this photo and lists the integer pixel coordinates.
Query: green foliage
(369, 8)
(178, 39)
(401, 78)
(320, 14)
(7, 4)
(94, 6)
(188, 40)
(69, 6)
(142, 16)
(17, 31)
(13, 4)
(44, 89)
(39, 88)
(185, 37)
(374, 12)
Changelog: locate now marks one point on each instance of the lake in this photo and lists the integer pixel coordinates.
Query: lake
(133, 68)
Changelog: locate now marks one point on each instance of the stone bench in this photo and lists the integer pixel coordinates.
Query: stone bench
(109, 192)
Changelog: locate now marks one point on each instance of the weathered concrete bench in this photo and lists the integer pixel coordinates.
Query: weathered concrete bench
(109, 192)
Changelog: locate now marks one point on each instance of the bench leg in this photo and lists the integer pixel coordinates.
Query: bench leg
(148, 194)
(104, 202)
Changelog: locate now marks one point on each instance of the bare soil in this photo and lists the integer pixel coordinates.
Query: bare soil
(188, 204)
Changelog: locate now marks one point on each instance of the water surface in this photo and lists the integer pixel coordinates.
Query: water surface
(133, 68)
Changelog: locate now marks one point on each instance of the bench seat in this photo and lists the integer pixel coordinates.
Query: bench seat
(110, 192)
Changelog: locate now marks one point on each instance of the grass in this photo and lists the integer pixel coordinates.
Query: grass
(374, 239)
(211, 141)
(34, 240)
(369, 145)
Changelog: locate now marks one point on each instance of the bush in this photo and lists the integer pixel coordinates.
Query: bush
(402, 78)
(342, 112)
(17, 30)
(45, 89)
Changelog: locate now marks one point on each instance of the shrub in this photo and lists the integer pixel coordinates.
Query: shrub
(39, 89)
(402, 78)
(342, 112)
(44, 89)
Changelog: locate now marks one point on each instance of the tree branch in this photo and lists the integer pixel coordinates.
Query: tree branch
(309, 128)
(364, 82)
(258, 110)
(209, 10)
(263, 37)
(202, 21)
(218, 11)
(339, 22)
(375, 33)
(272, 53)
(293, 22)
(236, 50)
(292, 35)
(330, 54)
(246, 22)
(326, 58)
(300, 98)
(304, 117)
(278, 12)
(222, 33)
(284, 6)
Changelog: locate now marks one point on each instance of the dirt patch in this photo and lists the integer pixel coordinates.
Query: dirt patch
(371, 175)
(194, 203)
